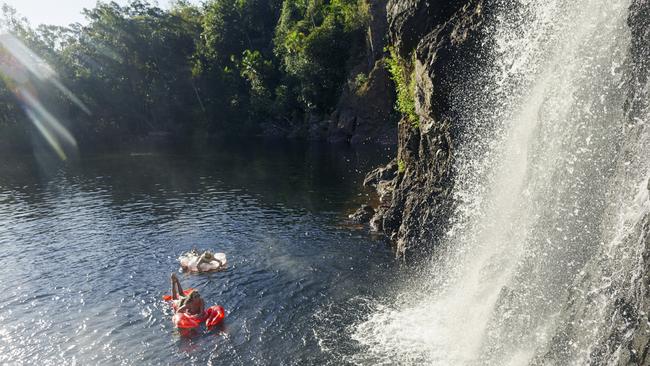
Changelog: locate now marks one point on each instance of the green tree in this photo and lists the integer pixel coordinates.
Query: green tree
(315, 39)
(225, 67)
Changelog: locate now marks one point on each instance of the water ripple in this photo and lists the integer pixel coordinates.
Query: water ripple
(87, 252)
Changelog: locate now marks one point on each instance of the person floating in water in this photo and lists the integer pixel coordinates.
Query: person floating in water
(207, 261)
(190, 303)
(207, 257)
(189, 308)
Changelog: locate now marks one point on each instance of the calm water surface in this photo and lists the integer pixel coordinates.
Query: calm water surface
(86, 250)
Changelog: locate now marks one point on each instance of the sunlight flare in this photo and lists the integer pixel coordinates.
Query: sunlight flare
(19, 65)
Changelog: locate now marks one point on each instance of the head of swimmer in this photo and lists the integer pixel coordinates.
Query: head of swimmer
(194, 295)
(193, 302)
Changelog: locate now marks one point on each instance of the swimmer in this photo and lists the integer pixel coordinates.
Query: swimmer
(204, 262)
(191, 303)
(208, 257)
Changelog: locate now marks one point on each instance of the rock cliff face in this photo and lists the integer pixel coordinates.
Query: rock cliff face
(365, 109)
(431, 37)
(434, 37)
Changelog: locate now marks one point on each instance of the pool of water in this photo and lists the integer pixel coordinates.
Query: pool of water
(87, 248)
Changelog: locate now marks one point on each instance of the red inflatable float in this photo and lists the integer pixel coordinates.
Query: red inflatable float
(212, 315)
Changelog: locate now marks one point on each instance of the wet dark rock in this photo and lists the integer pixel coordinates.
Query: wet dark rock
(410, 20)
(365, 109)
(639, 23)
(382, 173)
(434, 37)
(631, 315)
(362, 215)
(364, 112)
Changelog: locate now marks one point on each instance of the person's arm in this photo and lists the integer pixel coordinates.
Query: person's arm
(202, 259)
(173, 283)
(177, 289)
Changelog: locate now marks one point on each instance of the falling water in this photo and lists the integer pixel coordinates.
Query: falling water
(551, 191)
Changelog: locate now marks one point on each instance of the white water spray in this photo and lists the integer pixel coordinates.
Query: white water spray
(549, 209)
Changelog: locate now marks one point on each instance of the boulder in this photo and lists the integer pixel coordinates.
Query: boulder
(362, 215)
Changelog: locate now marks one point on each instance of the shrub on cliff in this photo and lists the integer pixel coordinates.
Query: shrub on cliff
(403, 74)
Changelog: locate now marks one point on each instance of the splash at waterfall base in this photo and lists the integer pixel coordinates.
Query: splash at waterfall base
(526, 178)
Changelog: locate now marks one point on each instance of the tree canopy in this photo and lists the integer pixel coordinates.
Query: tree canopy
(226, 67)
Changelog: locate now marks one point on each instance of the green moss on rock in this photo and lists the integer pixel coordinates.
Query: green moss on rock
(403, 74)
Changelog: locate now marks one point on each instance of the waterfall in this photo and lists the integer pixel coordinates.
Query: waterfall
(551, 193)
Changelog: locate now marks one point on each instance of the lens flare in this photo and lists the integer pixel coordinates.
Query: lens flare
(24, 73)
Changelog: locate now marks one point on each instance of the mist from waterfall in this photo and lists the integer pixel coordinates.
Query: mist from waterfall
(551, 190)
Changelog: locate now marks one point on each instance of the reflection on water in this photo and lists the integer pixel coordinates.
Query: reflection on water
(86, 250)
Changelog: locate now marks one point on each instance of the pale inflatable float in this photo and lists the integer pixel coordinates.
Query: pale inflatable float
(190, 262)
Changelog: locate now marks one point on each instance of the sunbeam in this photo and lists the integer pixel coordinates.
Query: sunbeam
(19, 65)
